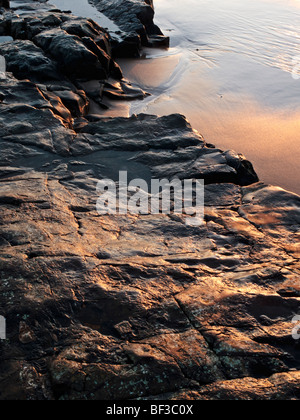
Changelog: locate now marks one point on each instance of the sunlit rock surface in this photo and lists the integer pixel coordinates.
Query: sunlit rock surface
(136, 306)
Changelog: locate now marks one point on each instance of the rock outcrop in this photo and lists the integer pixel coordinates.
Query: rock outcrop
(135, 306)
(135, 19)
(62, 52)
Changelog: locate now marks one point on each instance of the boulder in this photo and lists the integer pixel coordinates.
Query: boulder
(27, 61)
(74, 58)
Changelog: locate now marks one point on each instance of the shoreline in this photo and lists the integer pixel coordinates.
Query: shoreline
(130, 306)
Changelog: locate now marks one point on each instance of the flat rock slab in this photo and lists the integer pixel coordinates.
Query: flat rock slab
(118, 307)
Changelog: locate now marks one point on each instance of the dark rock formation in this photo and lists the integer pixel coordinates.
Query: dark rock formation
(25, 60)
(79, 48)
(136, 306)
(54, 46)
(135, 19)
